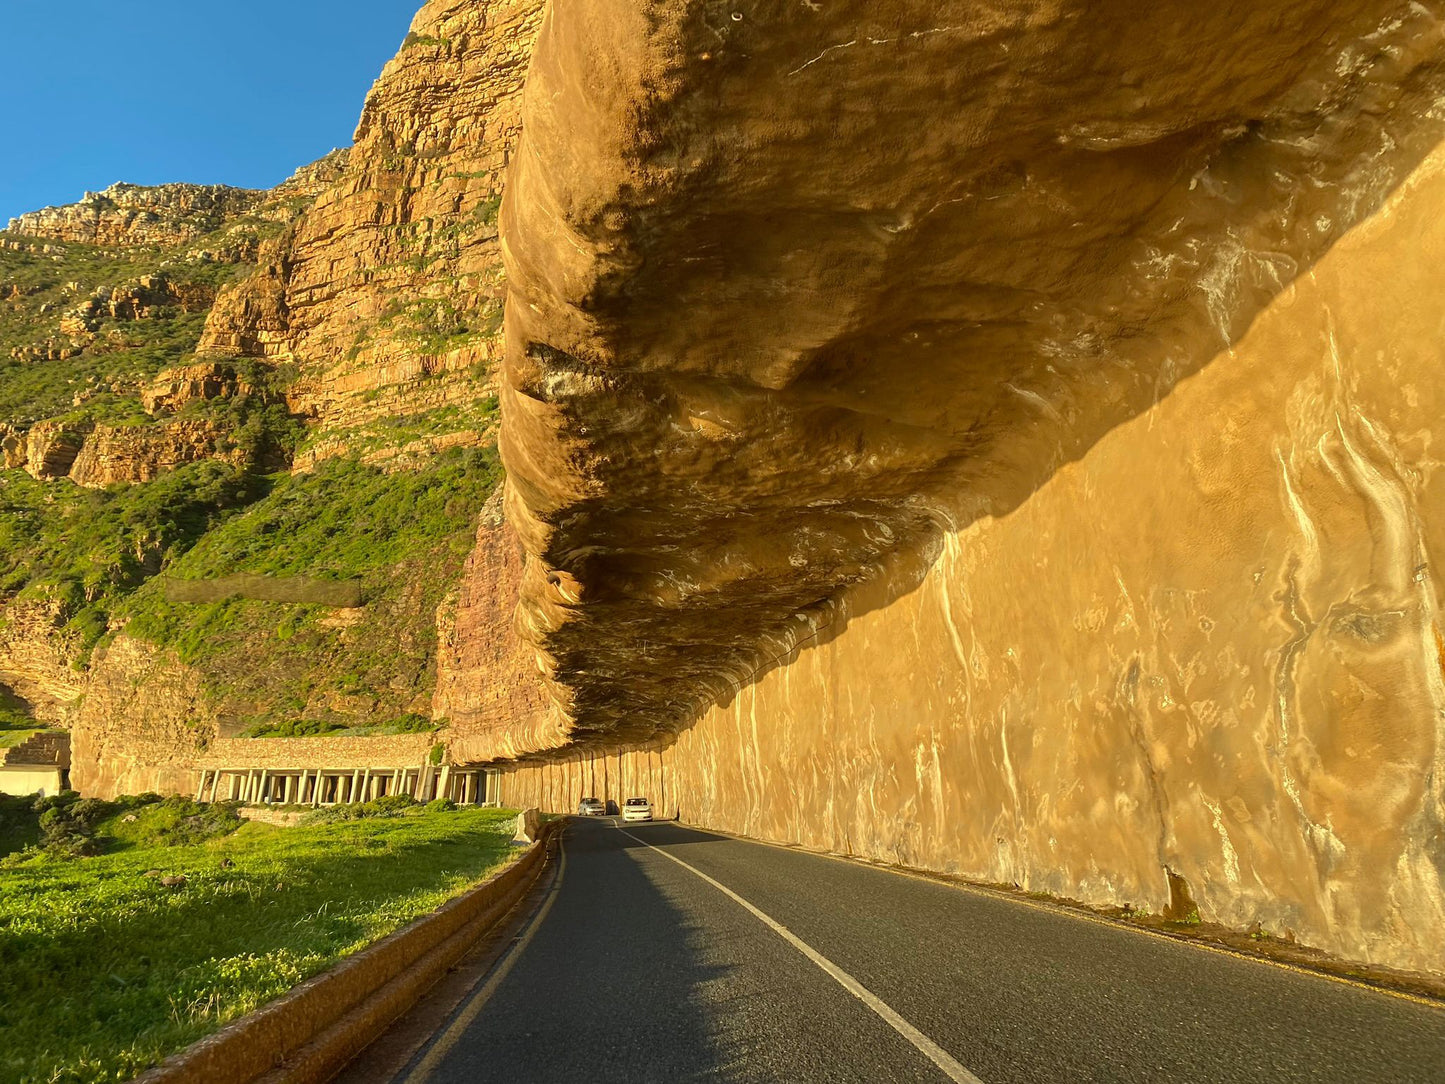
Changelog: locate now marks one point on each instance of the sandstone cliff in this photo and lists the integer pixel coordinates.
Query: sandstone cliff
(997, 441)
(129, 214)
(387, 294)
(981, 435)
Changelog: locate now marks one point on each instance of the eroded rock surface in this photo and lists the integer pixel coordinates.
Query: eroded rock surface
(793, 287)
(1210, 648)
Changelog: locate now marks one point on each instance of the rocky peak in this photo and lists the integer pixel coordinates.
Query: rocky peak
(129, 214)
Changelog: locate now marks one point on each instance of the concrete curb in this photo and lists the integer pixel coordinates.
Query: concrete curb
(307, 1036)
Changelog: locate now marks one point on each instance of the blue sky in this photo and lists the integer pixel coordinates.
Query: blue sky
(180, 90)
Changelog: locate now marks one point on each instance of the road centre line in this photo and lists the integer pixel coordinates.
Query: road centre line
(926, 1046)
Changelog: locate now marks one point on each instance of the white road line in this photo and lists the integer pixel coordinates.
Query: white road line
(926, 1046)
(477, 1001)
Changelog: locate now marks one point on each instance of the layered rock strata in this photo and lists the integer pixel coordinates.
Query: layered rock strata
(387, 294)
(35, 662)
(143, 725)
(129, 214)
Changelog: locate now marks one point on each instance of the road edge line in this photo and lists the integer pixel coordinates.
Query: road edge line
(477, 1000)
(1080, 913)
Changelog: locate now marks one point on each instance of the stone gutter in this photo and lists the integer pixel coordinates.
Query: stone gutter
(309, 1034)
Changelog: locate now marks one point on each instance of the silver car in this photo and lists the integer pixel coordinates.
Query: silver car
(591, 807)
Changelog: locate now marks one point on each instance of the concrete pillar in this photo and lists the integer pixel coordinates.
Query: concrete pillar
(201, 786)
(355, 788)
(444, 782)
(365, 786)
(215, 783)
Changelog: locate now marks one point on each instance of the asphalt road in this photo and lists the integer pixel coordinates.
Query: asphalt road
(754, 963)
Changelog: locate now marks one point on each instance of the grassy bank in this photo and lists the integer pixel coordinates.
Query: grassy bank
(107, 970)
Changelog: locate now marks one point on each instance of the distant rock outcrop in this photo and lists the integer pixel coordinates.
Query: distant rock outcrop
(130, 214)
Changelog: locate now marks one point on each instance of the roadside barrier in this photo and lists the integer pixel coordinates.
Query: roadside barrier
(307, 1036)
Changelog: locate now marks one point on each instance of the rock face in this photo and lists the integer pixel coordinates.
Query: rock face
(129, 214)
(173, 389)
(996, 441)
(122, 453)
(388, 293)
(1210, 647)
(488, 684)
(96, 456)
(144, 723)
(51, 448)
(35, 662)
(791, 292)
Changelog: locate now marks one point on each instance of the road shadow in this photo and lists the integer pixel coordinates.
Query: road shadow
(606, 989)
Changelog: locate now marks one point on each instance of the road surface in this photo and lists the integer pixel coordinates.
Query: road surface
(663, 953)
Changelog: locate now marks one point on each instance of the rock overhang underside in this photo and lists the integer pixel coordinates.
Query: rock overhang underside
(797, 288)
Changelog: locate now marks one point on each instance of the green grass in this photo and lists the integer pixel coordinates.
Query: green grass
(88, 548)
(107, 971)
(16, 723)
(124, 353)
(404, 536)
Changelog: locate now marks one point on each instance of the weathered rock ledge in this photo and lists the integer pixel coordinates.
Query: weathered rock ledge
(794, 289)
(129, 214)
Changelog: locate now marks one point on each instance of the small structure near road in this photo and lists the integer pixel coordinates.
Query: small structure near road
(339, 786)
(38, 765)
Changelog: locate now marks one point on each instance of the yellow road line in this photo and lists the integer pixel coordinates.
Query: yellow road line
(478, 1001)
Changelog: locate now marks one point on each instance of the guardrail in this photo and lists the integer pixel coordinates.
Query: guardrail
(309, 1034)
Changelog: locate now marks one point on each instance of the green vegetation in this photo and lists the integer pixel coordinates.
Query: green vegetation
(86, 549)
(432, 325)
(121, 355)
(403, 535)
(399, 430)
(413, 39)
(16, 722)
(107, 969)
(410, 723)
(346, 519)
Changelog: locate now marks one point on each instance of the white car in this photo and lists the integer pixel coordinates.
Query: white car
(637, 809)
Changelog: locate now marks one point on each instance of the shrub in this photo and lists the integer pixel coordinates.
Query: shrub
(441, 805)
(294, 728)
(393, 805)
(57, 801)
